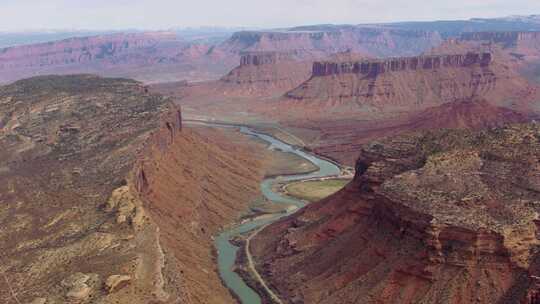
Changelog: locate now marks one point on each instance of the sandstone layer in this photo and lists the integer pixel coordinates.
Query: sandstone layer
(146, 56)
(348, 103)
(380, 87)
(518, 49)
(437, 217)
(167, 57)
(106, 198)
(265, 74)
(322, 42)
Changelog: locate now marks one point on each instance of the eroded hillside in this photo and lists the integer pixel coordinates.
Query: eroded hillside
(437, 217)
(105, 198)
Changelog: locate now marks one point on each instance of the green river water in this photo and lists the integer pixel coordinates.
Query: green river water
(227, 251)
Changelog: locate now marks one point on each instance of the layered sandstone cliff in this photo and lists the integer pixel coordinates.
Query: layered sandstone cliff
(376, 67)
(439, 217)
(264, 58)
(322, 42)
(107, 199)
(148, 56)
(265, 74)
(508, 39)
(383, 87)
(521, 49)
(166, 57)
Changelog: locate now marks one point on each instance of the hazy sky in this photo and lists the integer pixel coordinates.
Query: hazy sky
(163, 14)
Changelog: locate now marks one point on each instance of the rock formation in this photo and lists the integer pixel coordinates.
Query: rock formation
(264, 74)
(341, 140)
(507, 39)
(521, 50)
(374, 68)
(264, 58)
(147, 56)
(436, 217)
(381, 88)
(322, 42)
(99, 183)
(165, 57)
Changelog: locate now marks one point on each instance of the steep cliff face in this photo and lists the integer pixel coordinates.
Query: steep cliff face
(166, 57)
(104, 195)
(265, 74)
(520, 49)
(371, 41)
(265, 58)
(149, 56)
(395, 85)
(439, 217)
(507, 39)
(376, 67)
(82, 50)
(351, 103)
(69, 219)
(192, 183)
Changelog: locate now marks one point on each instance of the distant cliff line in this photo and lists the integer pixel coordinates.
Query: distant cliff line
(498, 37)
(379, 66)
(258, 58)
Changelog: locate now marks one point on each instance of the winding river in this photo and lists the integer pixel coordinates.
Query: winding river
(227, 251)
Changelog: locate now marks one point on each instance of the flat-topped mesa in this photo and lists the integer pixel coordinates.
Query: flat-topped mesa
(376, 67)
(263, 58)
(265, 73)
(500, 37)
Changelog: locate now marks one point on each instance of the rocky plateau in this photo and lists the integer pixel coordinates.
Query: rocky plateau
(434, 217)
(106, 198)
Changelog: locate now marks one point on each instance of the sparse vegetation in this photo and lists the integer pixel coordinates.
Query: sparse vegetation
(315, 190)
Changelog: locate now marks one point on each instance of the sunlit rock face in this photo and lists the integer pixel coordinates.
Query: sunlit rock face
(442, 216)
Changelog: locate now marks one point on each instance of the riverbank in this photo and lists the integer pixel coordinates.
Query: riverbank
(314, 190)
(228, 252)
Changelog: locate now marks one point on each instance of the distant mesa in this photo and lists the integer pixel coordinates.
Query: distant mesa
(376, 67)
(417, 81)
(507, 38)
(265, 57)
(265, 73)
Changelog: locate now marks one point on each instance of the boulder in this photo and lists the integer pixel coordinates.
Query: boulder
(75, 279)
(115, 282)
(80, 291)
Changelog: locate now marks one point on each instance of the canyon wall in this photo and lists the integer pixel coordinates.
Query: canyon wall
(263, 58)
(148, 56)
(382, 87)
(83, 50)
(370, 41)
(433, 217)
(167, 57)
(107, 198)
(375, 67)
(508, 39)
(192, 183)
(264, 74)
